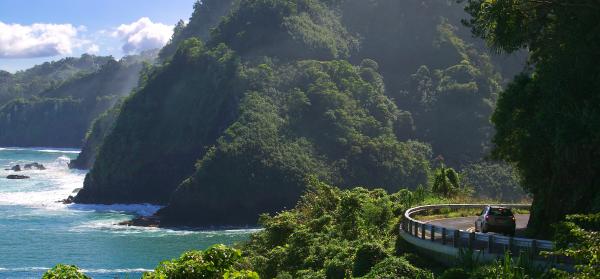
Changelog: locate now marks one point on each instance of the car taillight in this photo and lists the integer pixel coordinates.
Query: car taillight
(513, 218)
(487, 217)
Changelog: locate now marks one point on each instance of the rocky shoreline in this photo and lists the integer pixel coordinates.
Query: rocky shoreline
(142, 221)
(19, 168)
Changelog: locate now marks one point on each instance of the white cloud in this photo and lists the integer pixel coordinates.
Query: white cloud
(37, 40)
(143, 34)
(92, 49)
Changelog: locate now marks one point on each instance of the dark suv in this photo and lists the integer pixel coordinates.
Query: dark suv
(496, 219)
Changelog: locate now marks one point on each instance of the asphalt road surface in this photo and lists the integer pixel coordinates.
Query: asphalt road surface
(468, 223)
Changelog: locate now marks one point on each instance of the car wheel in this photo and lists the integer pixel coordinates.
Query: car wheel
(483, 229)
(476, 230)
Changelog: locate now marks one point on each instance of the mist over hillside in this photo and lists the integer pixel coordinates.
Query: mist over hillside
(49, 75)
(62, 98)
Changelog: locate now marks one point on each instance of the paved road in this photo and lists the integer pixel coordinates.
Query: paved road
(468, 223)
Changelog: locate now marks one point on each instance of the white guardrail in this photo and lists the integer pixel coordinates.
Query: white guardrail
(447, 242)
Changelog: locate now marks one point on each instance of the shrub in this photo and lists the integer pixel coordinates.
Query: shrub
(396, 267)
(62, 271)
(579, 238)
(367, 256)
(216, 262)
(336, 268)
(455, 273)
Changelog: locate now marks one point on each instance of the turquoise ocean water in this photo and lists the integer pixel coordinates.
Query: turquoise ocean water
(36, 232)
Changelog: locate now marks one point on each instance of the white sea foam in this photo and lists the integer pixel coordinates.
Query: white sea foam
(111, 225)
(57, 182)
(42, 149)
(59, 151)
(23, 269)
(46, 187)
(137, 209)
(117, 270)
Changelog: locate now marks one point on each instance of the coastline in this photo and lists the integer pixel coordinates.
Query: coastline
(154, 221)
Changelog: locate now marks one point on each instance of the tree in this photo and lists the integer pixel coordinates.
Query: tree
(446, 181)
(61, 271)
(218, 261)
(548, 119)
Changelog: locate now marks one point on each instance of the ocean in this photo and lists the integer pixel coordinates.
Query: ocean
(37, 232)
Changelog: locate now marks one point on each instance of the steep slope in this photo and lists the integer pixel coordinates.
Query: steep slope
(186, 105)
(285, 30)
(327, 119)
(99, 129)
(207, 14)
(165, 127)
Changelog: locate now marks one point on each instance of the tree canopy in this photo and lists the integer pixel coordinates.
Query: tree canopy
(548, 119)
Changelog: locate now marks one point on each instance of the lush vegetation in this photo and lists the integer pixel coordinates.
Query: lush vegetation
(547, 119)
(283, 90)
(153, 147)
(261, 161)
(207, 14)
(433, 69)
(259, 101)
(494, 181)
(335, 233)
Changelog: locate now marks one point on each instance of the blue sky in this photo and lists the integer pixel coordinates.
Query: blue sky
(35, 31)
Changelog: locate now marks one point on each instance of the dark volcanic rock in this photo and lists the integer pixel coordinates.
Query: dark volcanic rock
(14, 176)
(71, 198)
(68, 200)
(151, 221)
(34, 165)
(16, 168)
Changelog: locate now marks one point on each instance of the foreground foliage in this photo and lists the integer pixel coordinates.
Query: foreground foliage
(217, 261)
(334, 233)
(353, 233)
(62, 271)
(579, 238)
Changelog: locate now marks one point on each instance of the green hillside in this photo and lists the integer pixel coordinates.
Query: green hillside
(286, 89)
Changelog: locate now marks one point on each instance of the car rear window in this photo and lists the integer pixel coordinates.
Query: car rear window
(500, 212)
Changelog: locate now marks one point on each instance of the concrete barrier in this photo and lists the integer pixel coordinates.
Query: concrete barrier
(444, 244)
